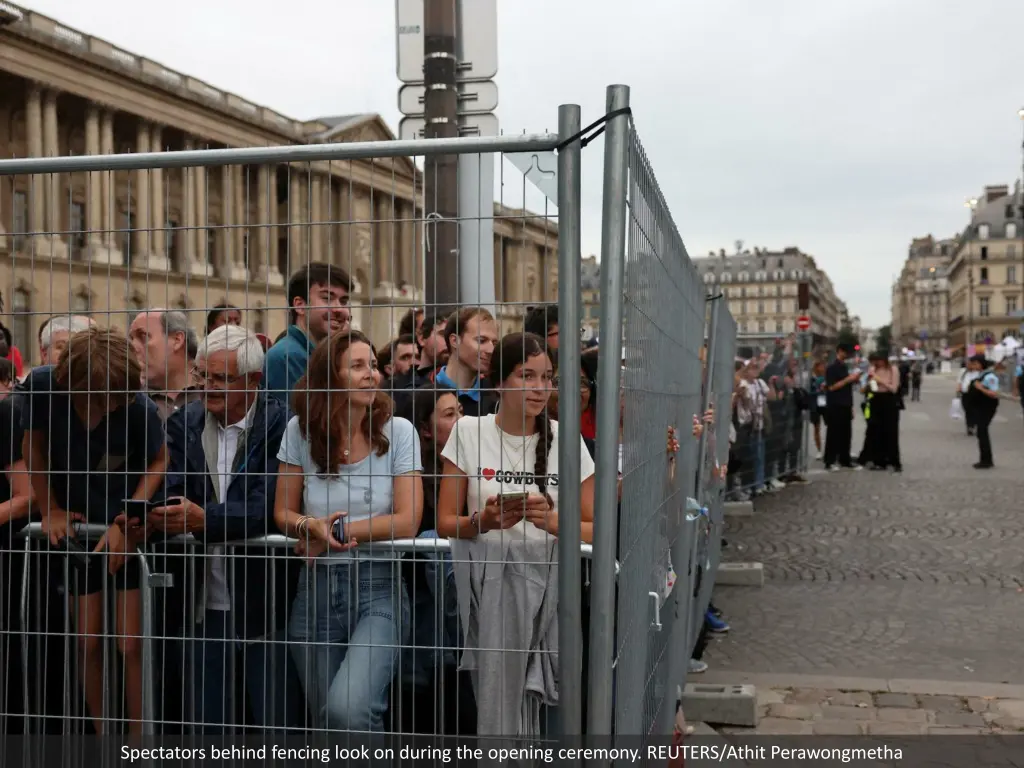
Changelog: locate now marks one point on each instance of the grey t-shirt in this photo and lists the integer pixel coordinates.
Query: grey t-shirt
(364, 489)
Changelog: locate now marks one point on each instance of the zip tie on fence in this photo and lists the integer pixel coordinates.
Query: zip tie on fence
(599, 125)
(694, 510)
(720, 295)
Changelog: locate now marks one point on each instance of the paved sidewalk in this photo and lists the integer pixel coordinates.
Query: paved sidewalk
(913, 575)
(828, 712)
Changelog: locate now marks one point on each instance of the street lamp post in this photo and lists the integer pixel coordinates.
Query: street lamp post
(1020, 207)
(972, 203)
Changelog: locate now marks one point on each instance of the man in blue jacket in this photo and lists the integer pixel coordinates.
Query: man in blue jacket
(220, 488)
(318, 305)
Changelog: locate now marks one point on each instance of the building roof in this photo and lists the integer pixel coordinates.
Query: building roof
(339, 124)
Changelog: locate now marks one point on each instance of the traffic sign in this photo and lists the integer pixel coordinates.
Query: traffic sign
(474, 98)
(477, 39)
(803, 323)
(471, 125)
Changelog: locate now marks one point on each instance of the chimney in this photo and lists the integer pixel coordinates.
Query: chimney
(995, 192)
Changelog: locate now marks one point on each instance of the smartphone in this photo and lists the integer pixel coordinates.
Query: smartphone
(136, 509)
(512, 498)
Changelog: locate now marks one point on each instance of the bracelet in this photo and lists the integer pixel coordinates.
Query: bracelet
(302, 526)
(474, 522)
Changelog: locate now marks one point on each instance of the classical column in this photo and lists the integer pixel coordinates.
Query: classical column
(37, 184)
(383, 243)
(201, 266)
(225, 235)
(316, 230)
(266, 203)
(188, 221)
(407, 271)
(54, 198)
(296, 216)
(158, 256)
(94, 186)
(140, 234)
(109, 191)
(241, 212)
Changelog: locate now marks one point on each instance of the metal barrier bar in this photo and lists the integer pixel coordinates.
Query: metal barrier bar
(301, 153)
(570, 609)
(613, 246)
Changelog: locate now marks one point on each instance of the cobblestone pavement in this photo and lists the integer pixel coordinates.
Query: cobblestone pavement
(917, 575)
(806, 711)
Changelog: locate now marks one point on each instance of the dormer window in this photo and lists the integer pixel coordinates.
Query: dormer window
(780, 274)
(983, 231)
(726, 277)
(744, 277)
(1011, 230)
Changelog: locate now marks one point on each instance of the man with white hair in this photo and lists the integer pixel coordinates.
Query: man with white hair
(55, 332)
(220, 487)
(166, 344)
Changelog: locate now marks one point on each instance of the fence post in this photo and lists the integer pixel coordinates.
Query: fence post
(570, 627)
(805, 417)
(148, 671)
(714, 301)
(606, 526)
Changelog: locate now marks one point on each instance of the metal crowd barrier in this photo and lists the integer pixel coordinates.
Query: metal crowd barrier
(152, 582)
(203, 233)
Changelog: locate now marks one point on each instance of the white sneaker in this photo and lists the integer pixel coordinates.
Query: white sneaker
(834, 468)
(817, 456)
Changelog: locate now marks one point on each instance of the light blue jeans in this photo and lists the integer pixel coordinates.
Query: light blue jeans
(347, 624)
(759, 459)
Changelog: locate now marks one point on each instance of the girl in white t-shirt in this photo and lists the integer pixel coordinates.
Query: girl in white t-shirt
(498, 503)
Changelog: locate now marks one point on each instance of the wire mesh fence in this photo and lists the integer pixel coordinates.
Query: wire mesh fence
(256, 483)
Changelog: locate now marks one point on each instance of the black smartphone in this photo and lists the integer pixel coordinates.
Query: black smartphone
(136, 509)
(77, 553)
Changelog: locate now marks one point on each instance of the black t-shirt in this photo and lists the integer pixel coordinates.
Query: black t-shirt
(11, 433)
(836, 372)
(91, 472)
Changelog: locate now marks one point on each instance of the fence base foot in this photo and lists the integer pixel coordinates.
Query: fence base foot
(738, 509)
(720, 704)
(740, 574)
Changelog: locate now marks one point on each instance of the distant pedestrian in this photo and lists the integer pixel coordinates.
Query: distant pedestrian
(839, 384)
(915, 382)
(967, 375)
(982, 399)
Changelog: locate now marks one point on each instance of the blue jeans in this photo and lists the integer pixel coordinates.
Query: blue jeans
(268, 676)
(347, 624)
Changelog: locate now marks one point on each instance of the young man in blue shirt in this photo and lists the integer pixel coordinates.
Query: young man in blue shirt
(318, 305)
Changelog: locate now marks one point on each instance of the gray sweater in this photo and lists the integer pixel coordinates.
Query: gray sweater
(507, 588)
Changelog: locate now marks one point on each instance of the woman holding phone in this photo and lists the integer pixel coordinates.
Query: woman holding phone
(498, 503)
(349, 475)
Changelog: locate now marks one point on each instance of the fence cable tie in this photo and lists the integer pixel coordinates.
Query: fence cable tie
(599, 125)
(694, 510)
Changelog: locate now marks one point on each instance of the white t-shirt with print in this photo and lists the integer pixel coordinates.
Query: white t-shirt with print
(496, 462)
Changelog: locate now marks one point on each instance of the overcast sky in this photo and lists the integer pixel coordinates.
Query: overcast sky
(844, 127)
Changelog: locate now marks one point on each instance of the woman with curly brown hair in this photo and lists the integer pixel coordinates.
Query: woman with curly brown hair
(349, 475)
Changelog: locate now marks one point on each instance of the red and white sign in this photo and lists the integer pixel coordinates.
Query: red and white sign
(803, 323)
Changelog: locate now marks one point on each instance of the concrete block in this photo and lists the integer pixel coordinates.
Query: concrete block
(738, 508)
(720, 704)
(740, 574)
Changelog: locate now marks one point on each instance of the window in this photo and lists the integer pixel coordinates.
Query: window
(760, 326)
(22, 321)
(984, 275)
(1009, 215)
(760, 290)
(1011, 251)
(20, 220)
(778, 307)
(778, 327)
(760, 307)
(1011, 228)
(1011, 275)
(743, 326)
(983, 306)
(743, 307)
(778, 290)
(743, 291)
(125, 235)
(726, 277)
(983, 231)
(744, 276)
(1011, 304)
(924, 312)
(709, 277)
(77, 227)
(984, 252)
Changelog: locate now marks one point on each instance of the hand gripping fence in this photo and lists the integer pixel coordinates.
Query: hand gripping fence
(212, 624)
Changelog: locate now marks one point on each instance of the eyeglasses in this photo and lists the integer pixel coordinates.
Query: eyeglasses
(219, 380)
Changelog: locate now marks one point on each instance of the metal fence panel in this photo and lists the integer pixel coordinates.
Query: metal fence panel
(662, 338)
(213, 237)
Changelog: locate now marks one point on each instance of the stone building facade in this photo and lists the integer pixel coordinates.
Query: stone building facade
(987, 271)
(920, 296)
(761, 287)
(111, 243)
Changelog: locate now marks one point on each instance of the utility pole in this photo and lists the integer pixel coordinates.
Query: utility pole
(441, 183)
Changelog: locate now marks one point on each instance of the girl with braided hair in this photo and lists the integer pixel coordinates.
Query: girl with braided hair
(498, 504)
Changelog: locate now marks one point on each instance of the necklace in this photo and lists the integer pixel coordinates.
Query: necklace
(519, 451)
